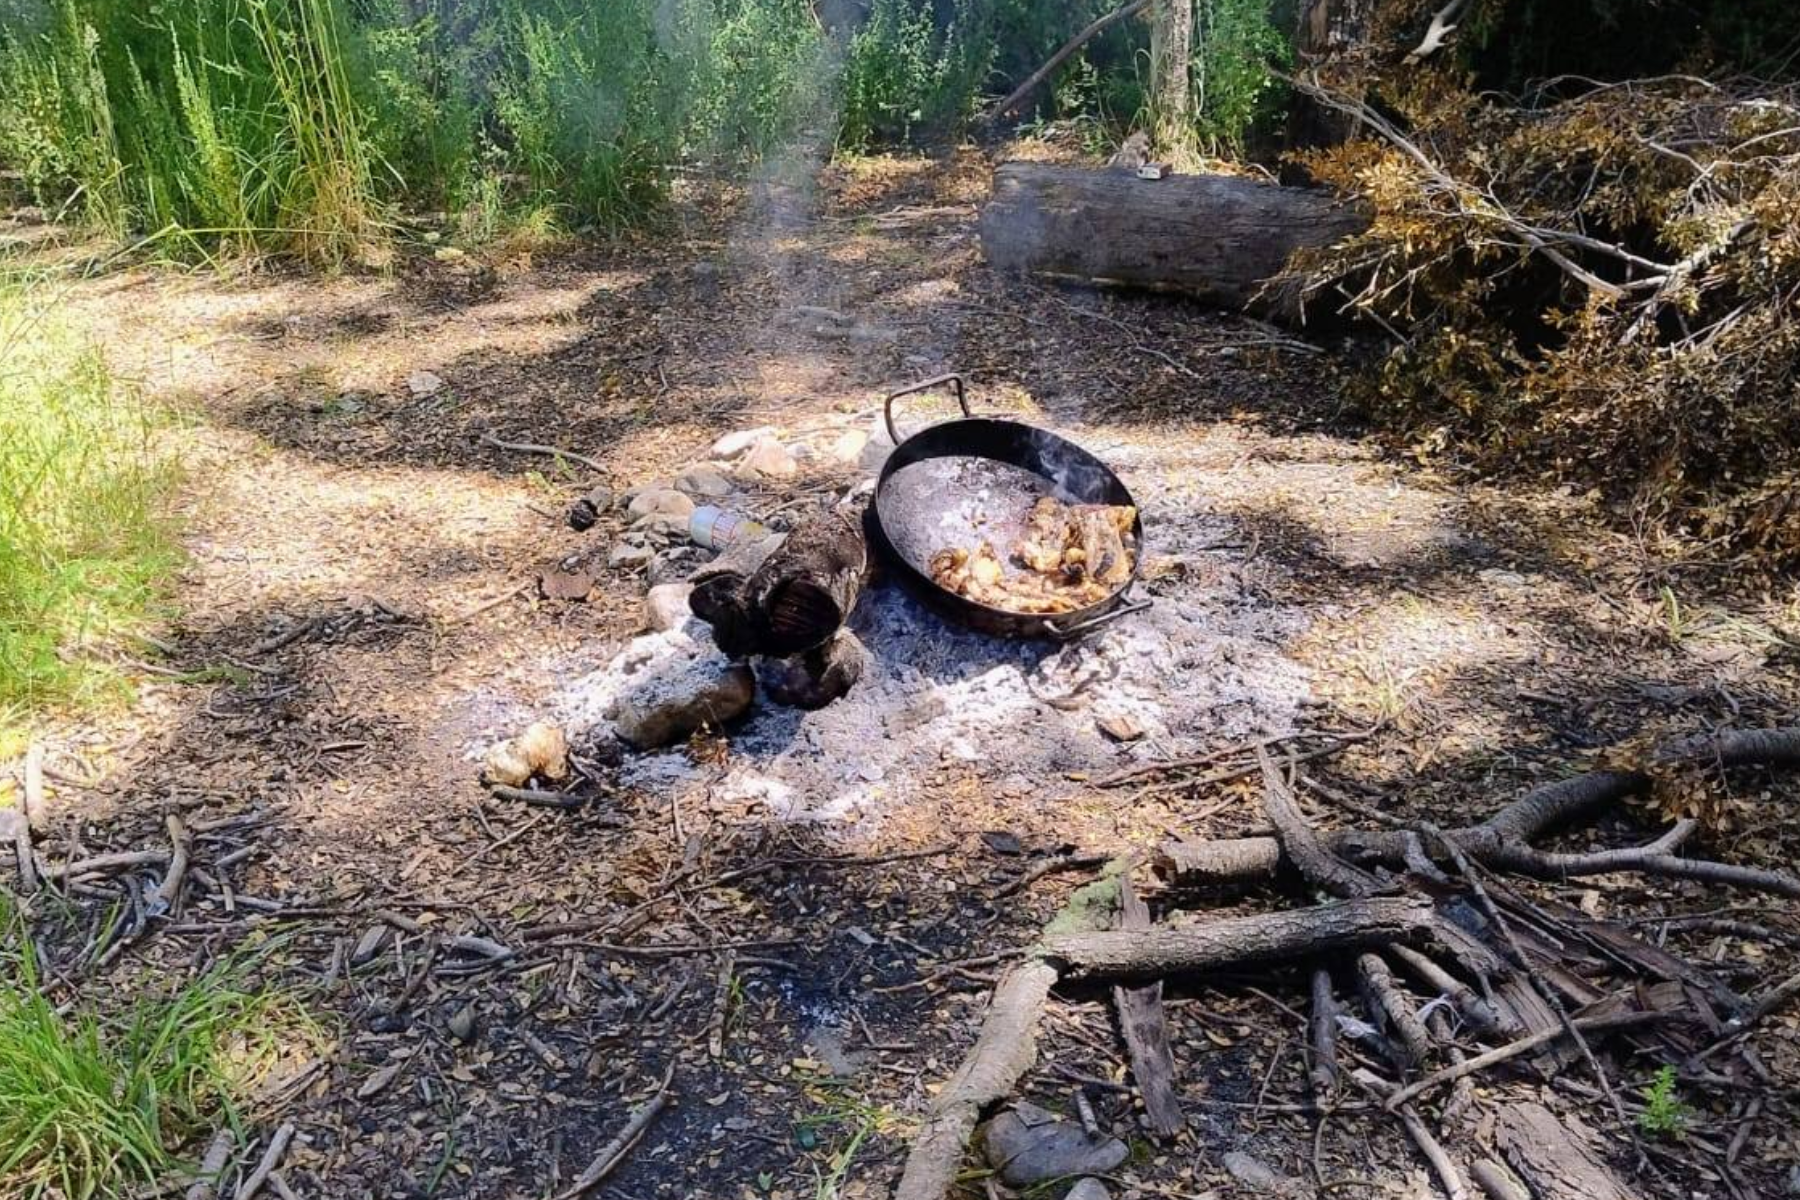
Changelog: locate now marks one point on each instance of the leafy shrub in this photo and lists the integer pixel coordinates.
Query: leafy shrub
(905, 78)
(1235, 44)
(85, 541)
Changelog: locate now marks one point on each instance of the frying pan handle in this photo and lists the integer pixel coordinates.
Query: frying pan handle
(924, 385)
(1068, 633)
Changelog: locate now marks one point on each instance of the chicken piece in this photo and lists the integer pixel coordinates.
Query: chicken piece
(1046, 536)
(1103, 555)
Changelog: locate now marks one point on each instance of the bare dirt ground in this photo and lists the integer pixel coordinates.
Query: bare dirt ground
(1493, 638)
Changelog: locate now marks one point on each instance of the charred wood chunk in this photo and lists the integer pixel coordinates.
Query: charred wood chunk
(796, 599)
(817, 677)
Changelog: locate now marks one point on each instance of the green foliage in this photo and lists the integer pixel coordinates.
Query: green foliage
(1236, 43)
(906, 78)
(1665, 1114)
(86, 544)
(298, 125)
(94, 1105)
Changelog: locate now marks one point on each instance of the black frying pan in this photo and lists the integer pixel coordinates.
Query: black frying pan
(995, 465)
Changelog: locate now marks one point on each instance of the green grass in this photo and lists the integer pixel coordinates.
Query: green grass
(94, 1105)
(86, 542)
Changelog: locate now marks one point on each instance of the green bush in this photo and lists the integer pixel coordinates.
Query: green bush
(86, 545)
(1235, 45)
(906, 78)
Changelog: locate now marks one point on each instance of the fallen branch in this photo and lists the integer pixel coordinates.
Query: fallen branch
(270, 1160)
(1163, 950)
(1146, 1029)
(16, 829)
(1004, 1051)
(614, 1152)
(550, 451)
(1033, 81)
(162, 900)
(212, 1166)
(1601, 1023)
(1318, 865)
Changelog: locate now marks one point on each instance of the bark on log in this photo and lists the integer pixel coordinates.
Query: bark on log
(1005, 1050)
(1237, 940)
(1550, 1159)
(1217, 237)
(796, 599)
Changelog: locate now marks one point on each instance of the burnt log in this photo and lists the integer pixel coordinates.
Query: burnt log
(1217, 237)
(795, 599)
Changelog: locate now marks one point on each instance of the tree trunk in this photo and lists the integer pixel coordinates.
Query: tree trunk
(1327, 29)
(1217, 237)
(1171, 90)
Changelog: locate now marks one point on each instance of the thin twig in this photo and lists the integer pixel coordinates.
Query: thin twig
(614, 1152)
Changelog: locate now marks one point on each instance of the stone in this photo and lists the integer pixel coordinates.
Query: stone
(666, 606)
(666, 500)
(661, 526)
(768, 459)
(463, 1024)
(848, 447)
(1088, 1189)
(1120, 727)
(1030, 1145)
(1258, 1176)
(424, 383)
(449, 254)
(734, 444)
(681, 693)
(629, 553)
(585, 512)
(704, 480)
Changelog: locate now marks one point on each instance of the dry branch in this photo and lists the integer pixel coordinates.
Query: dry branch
(1146, 1029)
(1165, 950)
(614, 1152)
(1318, 865)
(270, 1160)
(1036, 79)
(1384, 998)
(1550, 1159)
(1323, 1035)
(1601, 1023)
(1005, 1050)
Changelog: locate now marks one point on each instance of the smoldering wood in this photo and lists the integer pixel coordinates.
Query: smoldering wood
(1263, 937)
(818, 676)
(1217, 237)
(795, 599)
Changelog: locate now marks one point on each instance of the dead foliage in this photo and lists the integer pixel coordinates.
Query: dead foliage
(1598, 279)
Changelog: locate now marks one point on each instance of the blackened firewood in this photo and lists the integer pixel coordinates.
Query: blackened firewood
(817, 677)
(796, 600)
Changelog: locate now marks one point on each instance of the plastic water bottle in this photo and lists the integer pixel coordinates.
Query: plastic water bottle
(716, 528)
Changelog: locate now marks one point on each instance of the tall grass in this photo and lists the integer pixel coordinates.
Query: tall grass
(907, 76)
(94, 1105)
(301, 125)
(86, 542)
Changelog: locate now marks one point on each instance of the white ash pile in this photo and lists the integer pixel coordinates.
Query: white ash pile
(1202, 668)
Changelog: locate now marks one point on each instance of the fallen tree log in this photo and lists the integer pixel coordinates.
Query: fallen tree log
(1218, 237)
